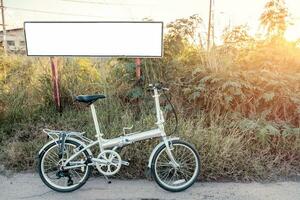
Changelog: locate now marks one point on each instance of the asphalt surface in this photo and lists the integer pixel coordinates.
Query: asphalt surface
(29, 186)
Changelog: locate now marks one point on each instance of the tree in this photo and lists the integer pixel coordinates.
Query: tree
(275, 18)
(182, 32)
(237, 37)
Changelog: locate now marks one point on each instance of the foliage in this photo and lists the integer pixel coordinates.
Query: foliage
(252, 93)
(275, 18)
(237, 36)
(239, 103)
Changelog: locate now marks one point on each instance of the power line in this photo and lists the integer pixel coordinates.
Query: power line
(53, 12)
(105, 3)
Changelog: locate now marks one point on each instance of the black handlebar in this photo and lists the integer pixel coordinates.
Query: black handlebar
(158, 86)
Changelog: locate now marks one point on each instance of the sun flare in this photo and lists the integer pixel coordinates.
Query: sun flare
(293, 33)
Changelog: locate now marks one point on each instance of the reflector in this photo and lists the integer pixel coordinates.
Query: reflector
(104, 39)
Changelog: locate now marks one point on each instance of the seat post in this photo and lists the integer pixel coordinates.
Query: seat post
(99, 134)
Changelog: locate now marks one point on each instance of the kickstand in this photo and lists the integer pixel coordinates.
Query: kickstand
(107, 179)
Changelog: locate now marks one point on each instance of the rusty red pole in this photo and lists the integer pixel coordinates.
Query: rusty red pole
(55, 80)
(138, 68)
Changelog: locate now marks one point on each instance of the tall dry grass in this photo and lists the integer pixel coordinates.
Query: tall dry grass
(239, 104)
(232, 143)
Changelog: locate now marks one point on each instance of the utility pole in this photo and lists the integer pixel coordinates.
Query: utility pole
(210, 32)
(213, 23)
(3, 28)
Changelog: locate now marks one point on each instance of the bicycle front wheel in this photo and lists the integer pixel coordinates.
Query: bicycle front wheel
(176, 178)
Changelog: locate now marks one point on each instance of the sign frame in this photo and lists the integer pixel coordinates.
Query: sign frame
(79, 55)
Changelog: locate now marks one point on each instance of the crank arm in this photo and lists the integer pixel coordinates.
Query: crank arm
(100, 161)
(125, 163)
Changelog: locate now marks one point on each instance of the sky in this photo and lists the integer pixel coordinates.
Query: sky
(227, 12)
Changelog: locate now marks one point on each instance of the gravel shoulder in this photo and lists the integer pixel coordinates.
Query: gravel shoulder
(29, 186)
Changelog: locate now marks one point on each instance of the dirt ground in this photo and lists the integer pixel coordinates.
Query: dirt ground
(30, 186)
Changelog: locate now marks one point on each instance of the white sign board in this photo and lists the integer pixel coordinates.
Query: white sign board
(104, 39)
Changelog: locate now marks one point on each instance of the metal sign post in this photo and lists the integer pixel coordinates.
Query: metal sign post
(55, 81)
(138, 68)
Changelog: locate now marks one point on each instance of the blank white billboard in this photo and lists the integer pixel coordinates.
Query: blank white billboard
(105, 39)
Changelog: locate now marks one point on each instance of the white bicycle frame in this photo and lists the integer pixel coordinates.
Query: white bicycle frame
(119, 141)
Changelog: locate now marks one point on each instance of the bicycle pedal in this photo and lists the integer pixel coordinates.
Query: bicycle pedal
(125, 163)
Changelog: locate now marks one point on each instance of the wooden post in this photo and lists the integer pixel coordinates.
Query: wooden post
(138, 68)
(55, 80)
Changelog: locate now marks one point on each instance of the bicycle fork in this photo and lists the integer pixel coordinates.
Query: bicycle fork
(160, 122)
(169, 146)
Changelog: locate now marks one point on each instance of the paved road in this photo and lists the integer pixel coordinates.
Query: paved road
(29, 186)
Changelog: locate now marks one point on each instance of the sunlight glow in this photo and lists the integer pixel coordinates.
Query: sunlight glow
(293, 33)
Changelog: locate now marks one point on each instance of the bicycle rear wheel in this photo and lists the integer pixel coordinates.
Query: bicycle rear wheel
(63, 180)
(171, 178)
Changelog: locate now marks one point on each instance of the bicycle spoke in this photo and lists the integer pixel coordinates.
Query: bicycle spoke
(76, 173)
(164, 164)
(171, 179)
(52, 159)
(167, 174)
